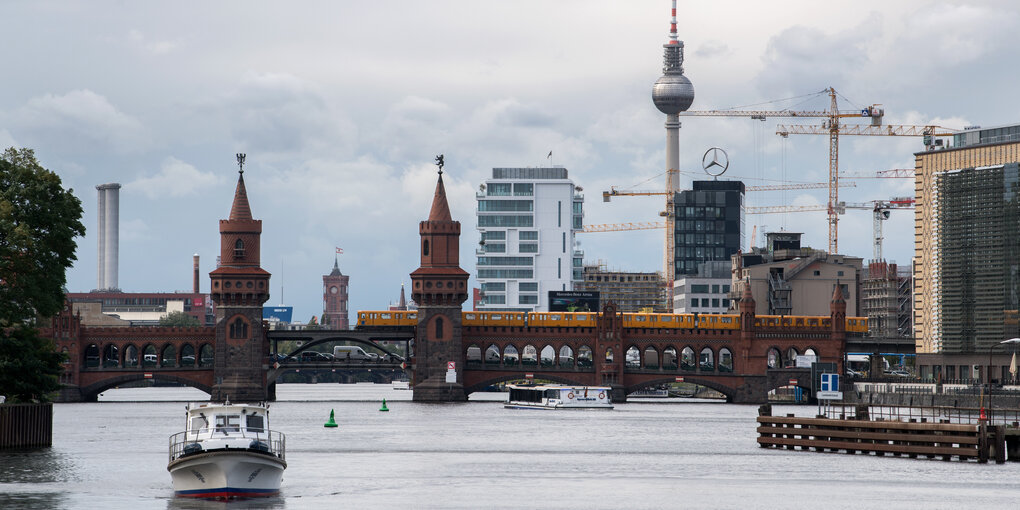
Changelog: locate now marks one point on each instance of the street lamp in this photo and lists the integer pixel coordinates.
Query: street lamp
(1013, 341)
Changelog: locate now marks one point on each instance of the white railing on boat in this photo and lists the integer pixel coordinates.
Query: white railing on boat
(269, 442)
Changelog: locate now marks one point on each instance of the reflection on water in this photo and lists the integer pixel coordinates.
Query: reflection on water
(39, 465)
(234, 504)
(30, 500)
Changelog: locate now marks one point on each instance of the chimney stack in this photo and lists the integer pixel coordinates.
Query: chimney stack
(195, 286)
(109, 233)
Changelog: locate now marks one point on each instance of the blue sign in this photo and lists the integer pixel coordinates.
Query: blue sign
(280, 313)
(830, 382)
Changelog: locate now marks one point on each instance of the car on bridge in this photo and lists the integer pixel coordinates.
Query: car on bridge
(313, 356)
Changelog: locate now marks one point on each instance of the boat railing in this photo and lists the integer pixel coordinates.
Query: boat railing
(266, 441)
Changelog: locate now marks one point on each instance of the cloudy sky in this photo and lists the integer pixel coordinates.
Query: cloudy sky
(341, 107)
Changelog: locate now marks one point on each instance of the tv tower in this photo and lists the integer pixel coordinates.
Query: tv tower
(672, 93)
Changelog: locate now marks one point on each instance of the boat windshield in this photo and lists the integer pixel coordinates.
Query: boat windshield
(228, 423)
(198, 423)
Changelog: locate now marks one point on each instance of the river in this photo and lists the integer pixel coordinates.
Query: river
(653, 454)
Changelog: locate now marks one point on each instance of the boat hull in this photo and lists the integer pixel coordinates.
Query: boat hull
(227, 474)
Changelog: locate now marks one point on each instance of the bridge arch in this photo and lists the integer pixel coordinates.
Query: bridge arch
(168, 356)
(206, 355)
(708, 383)
(91, 392)
(559, 378)
(131, 358)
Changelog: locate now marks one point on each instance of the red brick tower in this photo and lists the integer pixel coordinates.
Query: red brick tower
(838, 322)
(239, 289)
(334, 298)
(439, 286)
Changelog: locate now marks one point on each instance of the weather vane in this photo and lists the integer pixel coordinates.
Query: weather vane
(439, 163)
(240, 161)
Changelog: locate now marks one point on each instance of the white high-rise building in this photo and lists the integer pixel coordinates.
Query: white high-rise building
(527, 218)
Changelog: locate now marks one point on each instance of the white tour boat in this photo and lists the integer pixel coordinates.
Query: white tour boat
(227, 451)
(552, 396)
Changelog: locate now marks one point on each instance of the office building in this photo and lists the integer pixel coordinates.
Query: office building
(707, 291)
(967, 254)
(709, 224)
(527, 218)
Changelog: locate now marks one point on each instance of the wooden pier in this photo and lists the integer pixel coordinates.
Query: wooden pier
(855, 432)
(26, 425)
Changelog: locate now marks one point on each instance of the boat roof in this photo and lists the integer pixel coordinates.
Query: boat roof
(211, 407)
(556, 387)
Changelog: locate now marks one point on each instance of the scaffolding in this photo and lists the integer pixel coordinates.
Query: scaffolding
(632, 292)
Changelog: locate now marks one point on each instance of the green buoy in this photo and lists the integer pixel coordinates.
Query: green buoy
(331, 423)
(383, 408)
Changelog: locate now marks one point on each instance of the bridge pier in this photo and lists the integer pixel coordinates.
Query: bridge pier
(618, 393)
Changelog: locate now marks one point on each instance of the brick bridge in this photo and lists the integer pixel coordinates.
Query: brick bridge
(232, 359)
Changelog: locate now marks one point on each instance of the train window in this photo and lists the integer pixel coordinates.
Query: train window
(554, 317)
(667, 318)
(725, 320)
(496, 317)
(469, 316)
(385, 316)
(412, 316)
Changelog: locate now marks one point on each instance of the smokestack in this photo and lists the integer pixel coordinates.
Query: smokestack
(195, 287)
(109, 236)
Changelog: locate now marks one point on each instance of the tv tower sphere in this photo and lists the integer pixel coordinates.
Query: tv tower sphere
(673, 93)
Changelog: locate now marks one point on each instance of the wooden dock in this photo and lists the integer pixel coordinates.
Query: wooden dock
(917, 438)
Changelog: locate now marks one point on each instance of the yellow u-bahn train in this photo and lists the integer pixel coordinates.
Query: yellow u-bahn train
(389, 318)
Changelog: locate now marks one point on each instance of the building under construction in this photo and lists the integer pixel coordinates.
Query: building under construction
(886, 299)
(967, 252)
(632, 292)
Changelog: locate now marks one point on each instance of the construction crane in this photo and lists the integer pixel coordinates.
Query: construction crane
(833, 126)
(880, 212)
(614, 192)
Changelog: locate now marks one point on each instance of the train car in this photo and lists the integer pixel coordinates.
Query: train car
(387, 318)
(561, 319)
(493, 318)
(857, 325)
(658, 320)
(718, 321)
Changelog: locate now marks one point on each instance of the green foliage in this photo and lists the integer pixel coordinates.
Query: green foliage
(179, 319)
(39, 220)
(29, 365)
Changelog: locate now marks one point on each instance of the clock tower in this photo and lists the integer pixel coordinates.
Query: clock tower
(239, 288)
(334, 298)
(439, 286)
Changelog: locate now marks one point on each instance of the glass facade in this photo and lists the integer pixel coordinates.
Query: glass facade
(709, 224)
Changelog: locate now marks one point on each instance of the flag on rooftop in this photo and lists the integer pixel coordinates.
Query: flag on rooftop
(339, 251)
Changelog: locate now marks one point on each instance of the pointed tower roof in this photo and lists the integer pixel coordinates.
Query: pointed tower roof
(336, 267)
(240, 210)
(747, 296)
(837, 294)
(402, 305)
(440, 209)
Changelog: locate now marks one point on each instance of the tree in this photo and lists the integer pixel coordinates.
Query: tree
(39, 220)
(179, 319)
(38, 223)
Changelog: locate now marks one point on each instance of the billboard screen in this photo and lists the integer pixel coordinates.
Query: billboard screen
(573, 301)
(280, 313)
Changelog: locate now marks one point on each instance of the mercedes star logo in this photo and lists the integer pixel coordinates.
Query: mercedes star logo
(715, 161)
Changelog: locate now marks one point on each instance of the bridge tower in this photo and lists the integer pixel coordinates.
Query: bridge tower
(609, 351)
(239, 289)
(747, 331)
(837, 308)
(439, 286)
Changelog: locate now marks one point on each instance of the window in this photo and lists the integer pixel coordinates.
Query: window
(495, 235)
(694, 302)
(528, 287)
(425, 247)
(578, 223)
(526, 189)
(255, 423)
(699, 289)
(527, 235)
(726, 289)
(726, 303)
(496, 299)
(559, 214)
(715, 289)
(228, 423)
(494, 248)
(494, 286)
(839, 273)
(578, 207)
(578, 262)
(198, 423)
(505, 273)
(505, 261)
(439, 327)
(818, 273)
(564, 242)
(559, 267)
(499, 189)
(527, 247)
(506, 205)
(239, 329)
(506, 221)
(527, 299)
(239, 249)
(715, 302)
